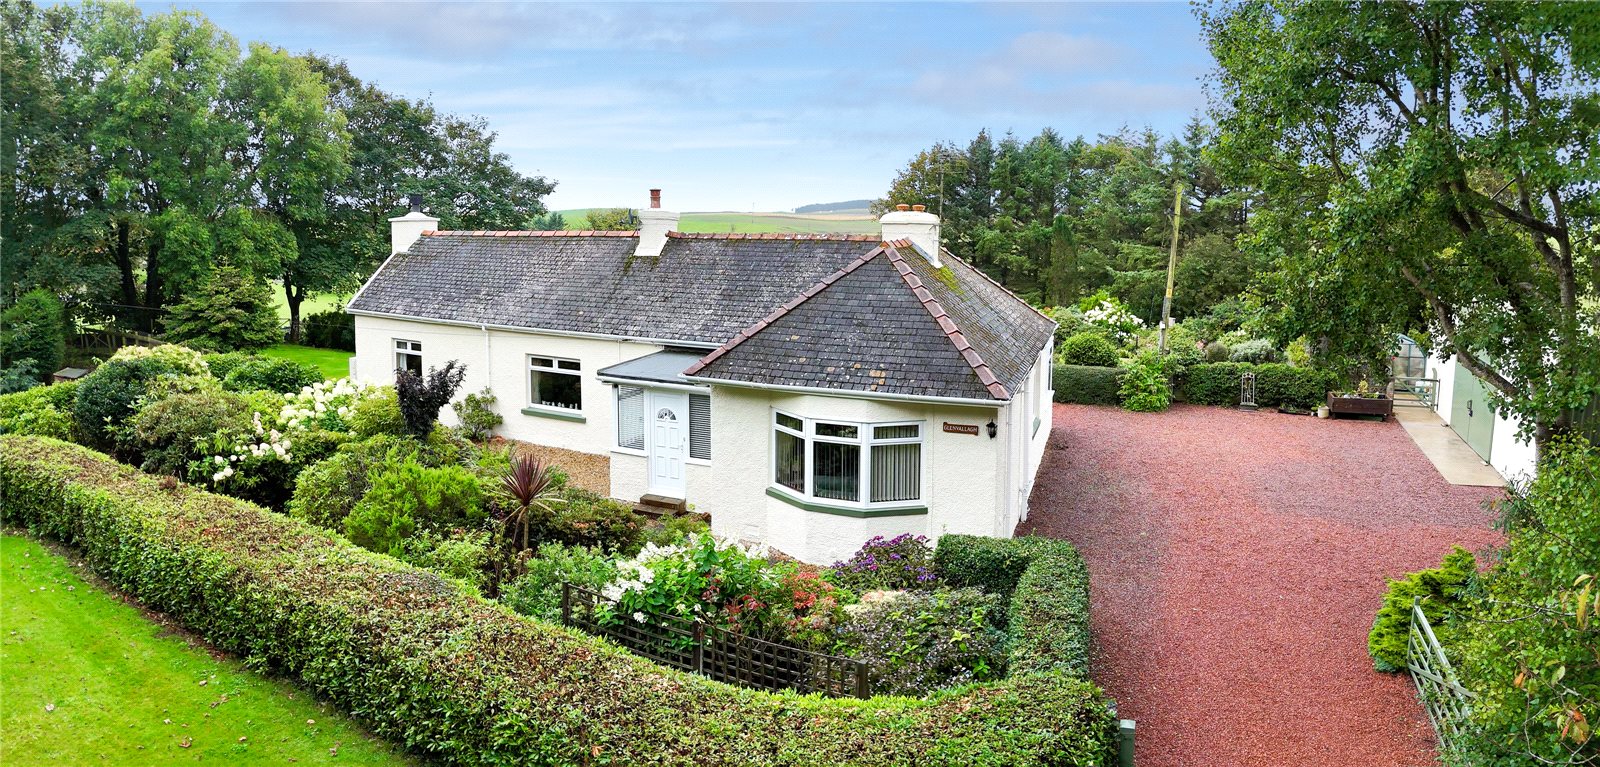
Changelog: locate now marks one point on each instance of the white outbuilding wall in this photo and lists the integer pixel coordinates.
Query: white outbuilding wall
(1509, 454)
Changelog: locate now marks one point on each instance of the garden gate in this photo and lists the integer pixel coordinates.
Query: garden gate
(1446, 701)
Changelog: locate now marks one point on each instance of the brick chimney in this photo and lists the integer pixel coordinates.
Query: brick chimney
(654, 223)
(407, 229)
(914, 223)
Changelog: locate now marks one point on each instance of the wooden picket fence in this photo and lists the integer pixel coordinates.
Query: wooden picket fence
(1447, 702)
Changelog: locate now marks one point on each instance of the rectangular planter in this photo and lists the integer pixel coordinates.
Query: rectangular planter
(1382, 406)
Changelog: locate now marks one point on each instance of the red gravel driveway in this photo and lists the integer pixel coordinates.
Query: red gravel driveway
(1237, 560)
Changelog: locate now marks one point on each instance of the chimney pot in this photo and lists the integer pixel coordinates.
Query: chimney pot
(902, 206)
(416, 202)
(919, 208)
(655, 198)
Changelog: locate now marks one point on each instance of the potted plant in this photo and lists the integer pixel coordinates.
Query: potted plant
(1362, 401)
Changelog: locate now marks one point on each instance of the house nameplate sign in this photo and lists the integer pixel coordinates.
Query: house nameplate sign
(961, 428)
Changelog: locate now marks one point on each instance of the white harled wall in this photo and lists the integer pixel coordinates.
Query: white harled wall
(1510, 455)
(963, 481)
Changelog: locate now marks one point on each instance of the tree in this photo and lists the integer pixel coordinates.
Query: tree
(611, 219)
(421, 396)
(546, 222)
(230, 311)
(34, 330)
(1426, 167)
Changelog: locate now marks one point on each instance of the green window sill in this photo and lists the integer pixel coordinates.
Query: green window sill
(540, 412)
(846, 511)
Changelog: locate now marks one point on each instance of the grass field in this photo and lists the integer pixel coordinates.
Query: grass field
(759, 222)
(89, 679)
(333, 363)
(320, 302)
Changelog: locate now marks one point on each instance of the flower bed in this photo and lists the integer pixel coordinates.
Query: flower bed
(457, 677)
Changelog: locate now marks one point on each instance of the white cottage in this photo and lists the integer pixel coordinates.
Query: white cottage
(807, 391)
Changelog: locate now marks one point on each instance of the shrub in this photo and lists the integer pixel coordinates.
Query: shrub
(1299, 387)
(1145, 387)
(718, 582)
(34, 328)
(476, 414)
(326, 491)
(916, 642)
(1217, 351)
(457, 679)
(584, 518)
(332, 329)
(182, 359)
(1088, 349)
(1214, 383)
(1087, 385)
(230, 311)
(409, 496)
(44, 411)
(1440, 590)
(220, 364)
(378, 414)
(1048, 616)
(674, 528)
(1255, 350)
(174, 432)
(1527, 648)
(271, 374)
(537, 593)
(107, 398)
(902, 562)
(421, 397)
(462, 557)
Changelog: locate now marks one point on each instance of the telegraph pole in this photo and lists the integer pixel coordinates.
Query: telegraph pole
(1172, 263)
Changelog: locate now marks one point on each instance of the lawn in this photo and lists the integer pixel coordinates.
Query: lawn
(333, 363)
(318, 302)
(90, 679)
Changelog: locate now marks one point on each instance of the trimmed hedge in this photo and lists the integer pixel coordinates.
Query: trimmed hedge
(1088, 349)
(453, 676)
(1088, 384)
(1047, 584)
(1276, 384)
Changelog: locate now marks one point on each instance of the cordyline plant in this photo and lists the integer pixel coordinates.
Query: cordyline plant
(422, 397)
(531, 485)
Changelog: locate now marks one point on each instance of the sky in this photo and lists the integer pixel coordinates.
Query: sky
(746, 107)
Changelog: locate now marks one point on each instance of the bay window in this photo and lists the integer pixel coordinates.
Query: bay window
(847, 463)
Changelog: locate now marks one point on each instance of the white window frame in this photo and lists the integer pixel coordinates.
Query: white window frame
(555, 367)
(865, 439)
(616, 420)
(404, 347)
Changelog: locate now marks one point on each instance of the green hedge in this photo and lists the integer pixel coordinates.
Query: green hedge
(1047, 583)
(1088, 384)
(466, 681)
(1217, 383)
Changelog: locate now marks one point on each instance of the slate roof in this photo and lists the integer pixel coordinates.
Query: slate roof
(702, 289)
(891, 323)
(840, 312)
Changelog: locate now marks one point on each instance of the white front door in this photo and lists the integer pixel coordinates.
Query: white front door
(668, 416)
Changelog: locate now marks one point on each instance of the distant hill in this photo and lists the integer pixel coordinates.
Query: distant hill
(848, 206)
(729, 221)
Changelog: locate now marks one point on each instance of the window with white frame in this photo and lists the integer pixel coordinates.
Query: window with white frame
(408, 355)
(631, 421)
(849, 463)
(554, 382)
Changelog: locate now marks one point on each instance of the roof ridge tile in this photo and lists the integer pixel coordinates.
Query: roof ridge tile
(947, 324)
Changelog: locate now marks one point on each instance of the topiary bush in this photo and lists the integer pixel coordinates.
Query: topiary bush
(44, 411)
(461, 680)
(1087, 385)
(1088, 349)
(1440, 589)
(271, 374)
(332, 329)
(1047, 584)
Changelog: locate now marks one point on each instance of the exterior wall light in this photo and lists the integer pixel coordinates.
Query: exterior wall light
(993, 430)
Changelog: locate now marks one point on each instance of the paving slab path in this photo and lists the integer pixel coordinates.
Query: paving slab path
(1237, 560)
